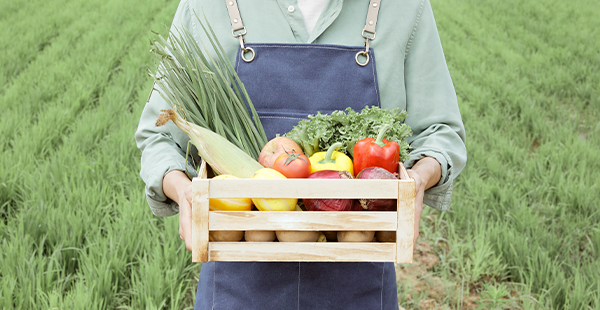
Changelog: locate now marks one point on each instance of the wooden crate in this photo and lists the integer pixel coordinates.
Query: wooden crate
(401, 221)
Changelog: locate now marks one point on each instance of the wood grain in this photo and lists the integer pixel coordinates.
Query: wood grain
(304, 188)
(303, 251)
(200, 190)
(294, 220)
(406, 222)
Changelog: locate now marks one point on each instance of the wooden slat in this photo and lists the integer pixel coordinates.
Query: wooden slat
(302, 251)
(304, 188)
(406, 223)
(202, 173)
(402, 172)
(200, 189)
(294, 220)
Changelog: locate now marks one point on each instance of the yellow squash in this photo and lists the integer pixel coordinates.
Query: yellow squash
(272, 204)
(229, 204)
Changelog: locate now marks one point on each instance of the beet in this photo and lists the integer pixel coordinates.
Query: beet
(329, 204)
(377, 204)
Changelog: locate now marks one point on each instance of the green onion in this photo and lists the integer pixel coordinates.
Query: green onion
(207, 90)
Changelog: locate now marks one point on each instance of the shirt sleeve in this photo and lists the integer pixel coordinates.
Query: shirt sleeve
(163, 148)
(432, 108)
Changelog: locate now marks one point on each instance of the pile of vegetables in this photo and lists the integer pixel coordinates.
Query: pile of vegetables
(209, 103)
(374, 158)
(281, 158)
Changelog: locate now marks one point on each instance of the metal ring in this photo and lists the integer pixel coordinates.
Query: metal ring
(356, 58)
(249, 49)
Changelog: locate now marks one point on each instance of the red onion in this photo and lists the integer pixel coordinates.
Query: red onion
(356, 206)
(377, 204)
(329, 204)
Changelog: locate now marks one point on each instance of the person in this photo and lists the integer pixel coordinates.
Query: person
(292, 65)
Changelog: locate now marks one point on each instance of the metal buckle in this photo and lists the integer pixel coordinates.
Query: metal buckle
(239, 34)
(367, 37)
(244, 48)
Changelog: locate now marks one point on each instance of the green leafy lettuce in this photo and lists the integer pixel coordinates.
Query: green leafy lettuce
(320, 131)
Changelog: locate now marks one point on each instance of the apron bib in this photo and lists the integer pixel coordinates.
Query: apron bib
(288, 82)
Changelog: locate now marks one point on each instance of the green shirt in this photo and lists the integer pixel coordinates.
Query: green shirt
(411, 71)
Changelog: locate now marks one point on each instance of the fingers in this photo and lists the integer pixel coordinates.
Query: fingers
(185, 223)
(417, 222)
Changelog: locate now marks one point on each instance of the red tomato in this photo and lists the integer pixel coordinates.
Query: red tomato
(293, 165)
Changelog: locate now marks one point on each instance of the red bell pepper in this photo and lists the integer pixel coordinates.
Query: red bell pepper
(378, 152)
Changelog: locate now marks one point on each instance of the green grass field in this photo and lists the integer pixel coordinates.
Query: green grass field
(523, 231)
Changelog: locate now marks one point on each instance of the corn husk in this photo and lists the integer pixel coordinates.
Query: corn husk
(222, 156)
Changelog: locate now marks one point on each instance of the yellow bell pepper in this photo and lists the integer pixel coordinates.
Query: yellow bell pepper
(331, 160)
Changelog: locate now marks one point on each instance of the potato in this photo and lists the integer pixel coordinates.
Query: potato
(260, 236)
(355, 236)
(297, 236)
(331, 235)
(225, 236)
(386, 236)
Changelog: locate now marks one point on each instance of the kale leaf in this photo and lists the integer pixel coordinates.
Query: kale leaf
(320, 131)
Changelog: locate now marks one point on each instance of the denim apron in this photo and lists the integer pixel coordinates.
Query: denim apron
(286, 83)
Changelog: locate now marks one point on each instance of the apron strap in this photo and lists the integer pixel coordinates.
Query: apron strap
(370, 24)
(234, 15)
(372, 14)
(236, 23)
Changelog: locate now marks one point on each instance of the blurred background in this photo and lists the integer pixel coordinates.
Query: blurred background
(76, 232)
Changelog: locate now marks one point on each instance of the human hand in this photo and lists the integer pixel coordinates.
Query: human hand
(178, 187)
(426, 173)
(185, 215)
